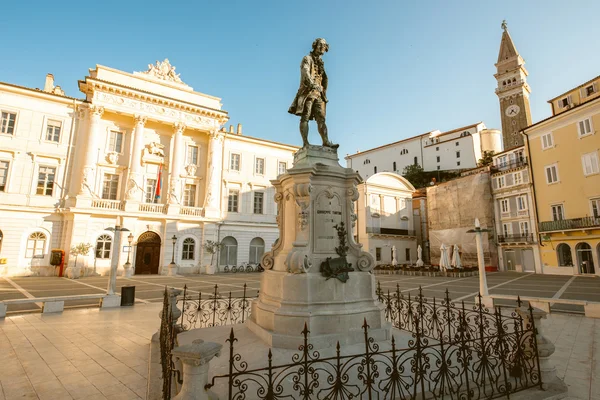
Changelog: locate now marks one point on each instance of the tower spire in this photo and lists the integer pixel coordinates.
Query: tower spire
(507, 47)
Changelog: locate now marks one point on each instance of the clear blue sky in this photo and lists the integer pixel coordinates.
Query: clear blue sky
(396, 68)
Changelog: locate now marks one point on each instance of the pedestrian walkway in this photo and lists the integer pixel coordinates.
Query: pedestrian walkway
(103, 354)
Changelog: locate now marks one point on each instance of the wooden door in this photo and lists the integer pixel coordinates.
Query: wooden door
(147, 258)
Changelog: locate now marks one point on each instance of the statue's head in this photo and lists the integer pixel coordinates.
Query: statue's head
(320, 46)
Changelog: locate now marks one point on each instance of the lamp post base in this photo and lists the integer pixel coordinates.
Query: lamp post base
(172, 270)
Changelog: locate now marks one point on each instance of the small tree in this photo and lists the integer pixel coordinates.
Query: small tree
(211, 248)
(81, 249)
(486, 158)
(415, 175)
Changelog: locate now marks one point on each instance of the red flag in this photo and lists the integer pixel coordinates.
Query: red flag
(158, 183)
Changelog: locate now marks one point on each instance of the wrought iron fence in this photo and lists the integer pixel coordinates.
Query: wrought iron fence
(455, 352)
(167, 341)
(214, 310)
(464, 366)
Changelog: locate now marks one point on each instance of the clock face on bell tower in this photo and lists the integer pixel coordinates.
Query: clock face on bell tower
(513, 92)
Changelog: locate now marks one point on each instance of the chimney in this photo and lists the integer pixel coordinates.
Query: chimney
(239, 129)
(230, 128)
(49, 85)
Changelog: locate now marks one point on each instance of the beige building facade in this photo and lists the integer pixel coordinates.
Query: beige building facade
(564, 150)
(142, 151)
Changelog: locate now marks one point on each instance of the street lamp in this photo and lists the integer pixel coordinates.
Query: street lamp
(130, 240)
(173, 266)
(114, 262)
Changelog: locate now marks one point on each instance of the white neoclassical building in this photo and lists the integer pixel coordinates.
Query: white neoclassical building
(142, 151)
(457, 149)
(385, 221)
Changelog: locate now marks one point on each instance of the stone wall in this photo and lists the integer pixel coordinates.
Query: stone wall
(451, 210)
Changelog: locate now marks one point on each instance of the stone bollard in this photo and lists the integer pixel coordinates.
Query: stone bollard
(196, 358)
(550, 380)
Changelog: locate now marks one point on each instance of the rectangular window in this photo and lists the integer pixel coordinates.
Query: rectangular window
(407, 254)
(46, 177)
(558, 213)
(192, 155)
(150, 190)
(590, 90)
(565, 102)
(115, 141)
(53, 131)
(281, 167)
(189, 196)
(437, 149)
(595, 207)
(110, 185)
(438, 158)
(259, 166)
(458, 163)
(416, 161)
(458, 154)
(377, 253)
(517, 178)
(504, 206)
(456, 143)
(585, 127)
(522, 203)
(551, 174)
(233, 201)
(234, 163)
(590, 163)
(547, 141)
(506, 229)
(438, 167)
(524, 228)
(501, 182)
(501, 161)
(3, 175)
(7, 123)
(258, 202)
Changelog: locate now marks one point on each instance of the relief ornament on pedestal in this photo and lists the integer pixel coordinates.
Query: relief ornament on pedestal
(163, 70)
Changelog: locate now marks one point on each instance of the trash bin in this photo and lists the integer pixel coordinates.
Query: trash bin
(127, 296)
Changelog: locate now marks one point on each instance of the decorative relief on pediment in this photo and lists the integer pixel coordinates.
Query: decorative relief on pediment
(158, 110)
(163, 70)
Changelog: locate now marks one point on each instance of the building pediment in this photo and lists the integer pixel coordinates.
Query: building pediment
(129, 101)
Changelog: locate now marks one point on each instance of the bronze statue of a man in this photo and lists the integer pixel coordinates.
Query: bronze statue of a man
(311, 99)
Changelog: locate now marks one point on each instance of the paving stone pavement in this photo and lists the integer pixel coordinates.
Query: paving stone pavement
(103, 354)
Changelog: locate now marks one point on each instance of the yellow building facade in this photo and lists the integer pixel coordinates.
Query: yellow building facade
(565, 167)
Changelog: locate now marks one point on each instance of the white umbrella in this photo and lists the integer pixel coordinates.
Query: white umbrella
(444, 259)
(419, 256)
(456, 263)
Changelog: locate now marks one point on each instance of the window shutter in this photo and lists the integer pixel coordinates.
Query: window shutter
(584, 162)
(588, 125)
(582, 92)
(569, 99)
(580, 128)
(594, 163)
(595, 87)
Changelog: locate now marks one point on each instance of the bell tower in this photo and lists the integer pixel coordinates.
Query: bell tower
(513, 91)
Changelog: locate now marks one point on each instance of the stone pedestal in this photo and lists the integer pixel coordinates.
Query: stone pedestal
(195, 358)
(316, 273)
(110, 301)
(172, 270)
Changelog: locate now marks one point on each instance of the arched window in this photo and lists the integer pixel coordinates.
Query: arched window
(187, 251)
(584, 258)
(374, 170)
(564, 255)
(257, 249)
(103, 245)
(228, 251)
(36, 243)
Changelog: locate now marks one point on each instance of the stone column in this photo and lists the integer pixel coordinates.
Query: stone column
(545, 349)
(134, 184)
(212, 206)
(177, 158)
(195, 358)
(89, 157)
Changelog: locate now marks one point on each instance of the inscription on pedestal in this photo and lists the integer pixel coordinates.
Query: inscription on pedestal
(328, 214)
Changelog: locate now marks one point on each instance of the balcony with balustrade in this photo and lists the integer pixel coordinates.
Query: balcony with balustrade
(572, 224)
(104, 204)
(512, 164)
(516, 238)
